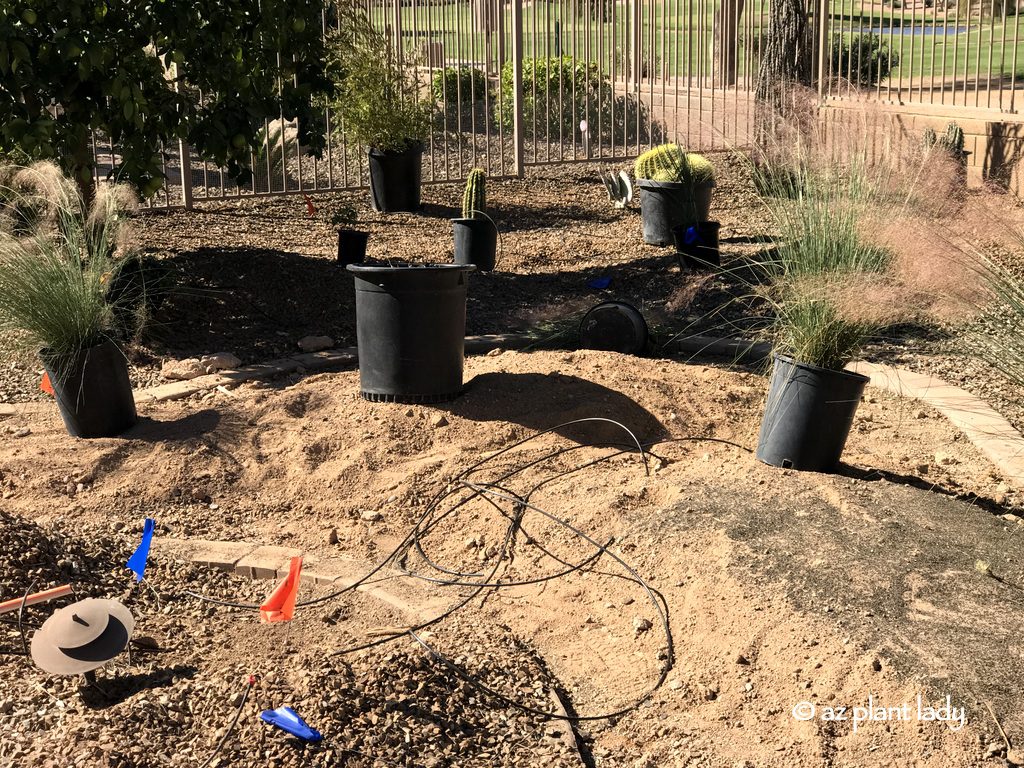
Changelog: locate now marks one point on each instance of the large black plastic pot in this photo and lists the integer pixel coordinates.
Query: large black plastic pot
(352, 246)
(808, 415)
(93, 391)
(697, 244)
(476, 242)
(395, 179)
(411, 331)
(668, 204)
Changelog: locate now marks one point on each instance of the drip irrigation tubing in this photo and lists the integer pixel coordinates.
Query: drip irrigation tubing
(461, 491)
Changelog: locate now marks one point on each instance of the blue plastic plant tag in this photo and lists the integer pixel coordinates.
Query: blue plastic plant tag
(137, 562)
(691, 236)
(288, 720)
(600, 282)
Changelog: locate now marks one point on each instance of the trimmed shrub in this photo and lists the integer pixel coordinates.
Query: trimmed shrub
(864, 60)
(462, 84)
(558, 93)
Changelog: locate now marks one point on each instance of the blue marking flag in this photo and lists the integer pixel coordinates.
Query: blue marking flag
(137, 562)
(288, 720)
(600, 283)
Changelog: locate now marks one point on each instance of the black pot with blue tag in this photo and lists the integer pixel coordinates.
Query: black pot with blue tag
(697, 245)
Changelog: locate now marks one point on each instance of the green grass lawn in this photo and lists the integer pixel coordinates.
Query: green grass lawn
(678, 40)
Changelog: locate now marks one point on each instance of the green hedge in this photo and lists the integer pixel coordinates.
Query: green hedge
(558, 93)
(462, 84)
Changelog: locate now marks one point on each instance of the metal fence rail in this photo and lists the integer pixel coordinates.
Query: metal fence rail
(604, 79)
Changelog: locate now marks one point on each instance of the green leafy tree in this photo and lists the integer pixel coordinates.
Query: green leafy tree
(144, 72)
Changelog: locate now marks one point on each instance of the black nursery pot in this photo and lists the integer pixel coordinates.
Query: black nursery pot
(395, 179)
(699, 250)
(668, 204)
(351, 246)
(808, 415)
(93, 391)
(411, 331)
(476, 242)
(614, 326)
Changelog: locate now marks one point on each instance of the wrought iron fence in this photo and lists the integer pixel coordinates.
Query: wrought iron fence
(528, 82)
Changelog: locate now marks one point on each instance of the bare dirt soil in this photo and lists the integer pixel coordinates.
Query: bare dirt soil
(780, 587)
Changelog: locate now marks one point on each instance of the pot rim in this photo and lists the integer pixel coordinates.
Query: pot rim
(652, 184)
(419, 267)
(790, 360)
(412, 147)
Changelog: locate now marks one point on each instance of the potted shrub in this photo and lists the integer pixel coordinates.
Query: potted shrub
(410, 330)
(56, 286)
(675, 190)
(351, 242)
(382, 108)
(476, 236)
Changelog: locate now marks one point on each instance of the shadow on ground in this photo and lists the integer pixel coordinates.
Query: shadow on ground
(500, 397)
(176, 430)
(114, 689)
(255, 303)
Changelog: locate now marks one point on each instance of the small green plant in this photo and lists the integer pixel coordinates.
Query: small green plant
(344, 216)
(474, 197)
(812, 328)
(56, 283)
(464, 85)
(668, 162)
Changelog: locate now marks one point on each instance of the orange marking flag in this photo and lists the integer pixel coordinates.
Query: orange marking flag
(46, 386)
(280, 606)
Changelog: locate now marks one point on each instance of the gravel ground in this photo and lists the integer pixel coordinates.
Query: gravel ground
(172, 705)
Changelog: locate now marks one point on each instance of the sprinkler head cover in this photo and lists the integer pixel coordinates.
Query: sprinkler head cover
(82, 637)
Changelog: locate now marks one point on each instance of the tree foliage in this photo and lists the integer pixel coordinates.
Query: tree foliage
(145, 72)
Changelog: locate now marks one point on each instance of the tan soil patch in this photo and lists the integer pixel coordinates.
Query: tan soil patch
(778, 567)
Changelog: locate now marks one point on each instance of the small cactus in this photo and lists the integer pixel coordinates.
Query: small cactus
(474, 198)
(668, 162)
(952, 141)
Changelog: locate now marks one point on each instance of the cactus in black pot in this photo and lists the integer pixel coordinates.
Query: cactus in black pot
(475, 233)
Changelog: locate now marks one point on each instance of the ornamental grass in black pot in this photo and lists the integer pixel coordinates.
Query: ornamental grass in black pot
(62, 299)
(833, 287)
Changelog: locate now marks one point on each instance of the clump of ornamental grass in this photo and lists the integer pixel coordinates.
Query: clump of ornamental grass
(993, 334)
(56, 279)
(832, 281)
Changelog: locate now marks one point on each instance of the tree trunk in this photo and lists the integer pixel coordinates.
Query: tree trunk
(726, 42)
(785, 63)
